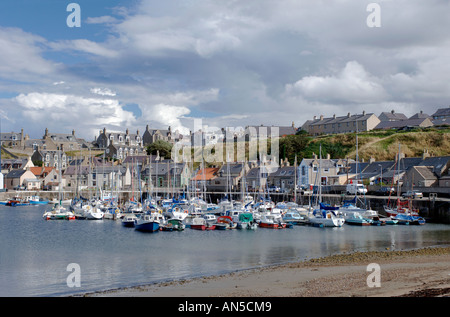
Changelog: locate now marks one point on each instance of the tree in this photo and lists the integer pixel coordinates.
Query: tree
(164, 148)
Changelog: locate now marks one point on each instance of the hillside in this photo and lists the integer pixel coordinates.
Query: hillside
(383, 145)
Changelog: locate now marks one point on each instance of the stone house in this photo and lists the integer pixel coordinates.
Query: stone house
(342, 124)
(16, 178)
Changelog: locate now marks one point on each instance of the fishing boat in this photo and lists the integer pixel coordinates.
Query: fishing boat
(245, 221)
(210, 219)
(128, 220)
(294, 217)
(17, 201)
(177, 224)
(224, 223)
(325, 218)
(405, 219)
(200, 223)
(93, 213)
(176, 212)
(385, 220)
(36, 200)
(58, 212)
(149, 222)
(272, 222)
(355, 219)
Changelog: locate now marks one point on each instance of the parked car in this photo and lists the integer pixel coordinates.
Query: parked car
(385, 191)
(356, 189)
(413, 194)
(274, 189)
(305, 190)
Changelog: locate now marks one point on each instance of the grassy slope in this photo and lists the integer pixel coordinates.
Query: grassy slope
(383, 145)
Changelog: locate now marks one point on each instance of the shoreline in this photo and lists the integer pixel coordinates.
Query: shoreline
(421, 272)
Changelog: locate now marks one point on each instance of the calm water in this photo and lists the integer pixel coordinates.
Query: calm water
(34, 253)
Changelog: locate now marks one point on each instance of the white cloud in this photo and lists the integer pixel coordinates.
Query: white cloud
(21, 56)
(86, 46)
(167, 115)
(87, 115)
(103, 91)
(105, 19)
(353, 84)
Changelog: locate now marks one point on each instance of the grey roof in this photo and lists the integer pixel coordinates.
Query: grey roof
(401, 124)
(353, 166)
(443, 112)
(439, 163)
(393, 116)
(109, 169)
(342, 119)
(375, 167)
(441, 121)
(285, 171)
(420, 115)
(426, 172)
(80, 170)
(6, 136)
(234, 168)
(253, 173)
(15, 173)
(326, 163)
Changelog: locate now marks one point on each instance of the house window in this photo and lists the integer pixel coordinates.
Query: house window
(315, 168)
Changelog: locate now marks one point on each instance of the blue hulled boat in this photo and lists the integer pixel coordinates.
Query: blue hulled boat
(149, 222)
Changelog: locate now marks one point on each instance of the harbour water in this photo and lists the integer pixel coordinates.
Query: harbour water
(35, 253)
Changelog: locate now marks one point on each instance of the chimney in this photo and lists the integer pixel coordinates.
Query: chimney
(321, 117)
(425, 154)
(315, 117)
(392, 111)
(328, 156)
(364, 112)
(348, 115)
(334, 116)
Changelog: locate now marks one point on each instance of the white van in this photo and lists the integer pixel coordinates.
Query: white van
(356, 189)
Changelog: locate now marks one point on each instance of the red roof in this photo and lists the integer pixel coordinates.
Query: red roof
(41, 171)
(206, 174)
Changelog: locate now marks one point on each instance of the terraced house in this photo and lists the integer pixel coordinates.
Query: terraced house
(341, 124)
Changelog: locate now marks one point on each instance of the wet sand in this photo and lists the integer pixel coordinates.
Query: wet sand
(414, 273)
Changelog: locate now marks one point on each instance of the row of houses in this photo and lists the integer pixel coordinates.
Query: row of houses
(369, 121)
(152, 172)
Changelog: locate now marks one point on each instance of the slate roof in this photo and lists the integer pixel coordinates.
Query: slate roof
(443, 112)
(341, 119)
(402, 123)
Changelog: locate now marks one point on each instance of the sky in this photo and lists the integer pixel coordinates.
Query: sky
(231, 63)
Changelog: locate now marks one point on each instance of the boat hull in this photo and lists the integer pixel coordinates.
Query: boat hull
(147, 226)
(272, 225)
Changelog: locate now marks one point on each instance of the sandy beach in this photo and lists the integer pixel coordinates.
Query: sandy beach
(413, 273)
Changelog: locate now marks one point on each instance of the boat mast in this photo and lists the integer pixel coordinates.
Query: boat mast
(295, 179)
(320, 174)
(398, 178)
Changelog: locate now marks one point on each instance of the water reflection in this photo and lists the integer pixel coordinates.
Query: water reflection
(35, 253)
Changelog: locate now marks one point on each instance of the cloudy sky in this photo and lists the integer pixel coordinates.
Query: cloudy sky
(232, 63)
